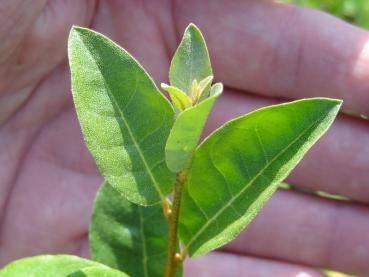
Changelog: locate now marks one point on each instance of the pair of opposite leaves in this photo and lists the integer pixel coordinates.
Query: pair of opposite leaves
(139, 143)
(126, 123)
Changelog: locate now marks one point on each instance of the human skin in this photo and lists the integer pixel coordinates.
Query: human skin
(262, 51)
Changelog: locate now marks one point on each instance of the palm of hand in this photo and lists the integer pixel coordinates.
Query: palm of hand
(48, 178)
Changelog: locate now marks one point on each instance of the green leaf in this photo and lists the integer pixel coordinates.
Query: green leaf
(199, 90)
(47, 265)
(236, 170)
(206, 82)
(204, 87)
(96, 271)
(186, 133)
(126, 236)
(190, 61)
(124, 118)
(179, 98)
(216, 89)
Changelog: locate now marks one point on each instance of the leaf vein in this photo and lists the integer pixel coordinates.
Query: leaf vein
(215, 216)
(256, 129)
(124, 120)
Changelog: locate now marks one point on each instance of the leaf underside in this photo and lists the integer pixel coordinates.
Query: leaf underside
(124, 118)
(237, 168)
(126, 236)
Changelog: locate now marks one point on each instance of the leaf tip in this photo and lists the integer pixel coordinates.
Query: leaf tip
(334, 104)
(81, 31)
(75, 31)
(193, 30)
(192, 26)
(163, 85)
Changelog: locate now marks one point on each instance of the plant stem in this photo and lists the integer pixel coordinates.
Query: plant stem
(171, 263)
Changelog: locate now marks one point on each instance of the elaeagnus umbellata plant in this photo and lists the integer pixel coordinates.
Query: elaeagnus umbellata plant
(165, 196)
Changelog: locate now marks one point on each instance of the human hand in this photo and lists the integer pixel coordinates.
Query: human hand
(265, 51)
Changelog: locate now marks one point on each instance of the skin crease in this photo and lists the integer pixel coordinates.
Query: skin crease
(261, 50)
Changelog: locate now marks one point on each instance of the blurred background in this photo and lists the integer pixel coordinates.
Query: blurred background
(353, 11)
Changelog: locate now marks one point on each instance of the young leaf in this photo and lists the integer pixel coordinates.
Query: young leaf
(205, 86)
(180, 99)
(236, 170)
(126, 236)
(124, 118)
(216, 89)
(48, 265)
(186, 133)
(190, 61)
(206, 82)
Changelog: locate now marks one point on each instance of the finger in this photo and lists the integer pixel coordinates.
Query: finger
(337, 163)
(48, 209)
(281, 50)
(309, 230)
(220, 264)
(18, 133)
(44, 45)
(143, 29)
(16, 16)
(33, 37)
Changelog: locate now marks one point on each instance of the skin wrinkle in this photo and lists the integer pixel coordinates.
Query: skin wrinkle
(8, 109)
(18, 168)
(22, 152)
(332, 240)
(80, 161)
(42, 35)
(15, 14)
(12, 185)
(16, 38)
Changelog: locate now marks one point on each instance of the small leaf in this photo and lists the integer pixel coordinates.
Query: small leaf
(191, 60)
(205, 85)
(238, 167)
(128, 237)
(216, 89)
(47, 265)
(96, 271)
(186, 133)
(124, 118)
(180, 99)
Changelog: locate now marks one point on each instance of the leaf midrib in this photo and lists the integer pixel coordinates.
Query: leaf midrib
(233, 198)
(152, 177)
